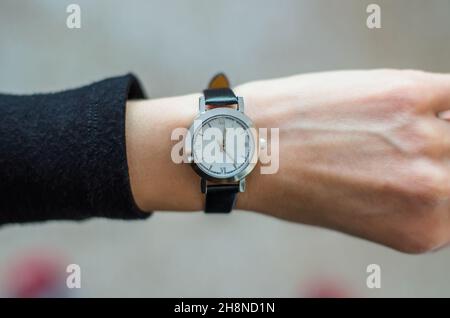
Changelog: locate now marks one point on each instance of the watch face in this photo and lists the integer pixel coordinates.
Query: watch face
(223, 146)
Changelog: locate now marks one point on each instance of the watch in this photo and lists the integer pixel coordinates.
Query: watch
(221, 145)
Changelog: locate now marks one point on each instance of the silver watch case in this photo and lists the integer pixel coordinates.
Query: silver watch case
(205, 115)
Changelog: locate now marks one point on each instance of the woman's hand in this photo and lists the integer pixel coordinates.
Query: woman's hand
(362, 152)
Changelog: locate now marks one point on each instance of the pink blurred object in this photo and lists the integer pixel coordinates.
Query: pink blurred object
(327, 288)
(36, 274)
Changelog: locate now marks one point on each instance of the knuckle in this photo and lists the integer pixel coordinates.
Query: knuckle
(405, 89)
(405, 94)
(424, 194)
(422, 138)
(426, 186)
(431, 182)
(422, 235)
(427, 131)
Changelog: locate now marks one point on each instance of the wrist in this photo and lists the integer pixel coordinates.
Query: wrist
(157, 183)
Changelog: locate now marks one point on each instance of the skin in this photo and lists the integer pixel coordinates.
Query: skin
(362, 152)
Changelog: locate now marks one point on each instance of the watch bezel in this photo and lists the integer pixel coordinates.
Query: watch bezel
(215, 112)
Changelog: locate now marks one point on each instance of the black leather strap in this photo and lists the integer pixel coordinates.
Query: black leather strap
(221, 198)
(219, 97)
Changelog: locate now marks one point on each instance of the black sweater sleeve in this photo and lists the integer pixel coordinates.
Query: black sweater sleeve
(63, 156)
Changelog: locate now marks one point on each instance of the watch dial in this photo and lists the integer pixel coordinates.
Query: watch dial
(223, 146)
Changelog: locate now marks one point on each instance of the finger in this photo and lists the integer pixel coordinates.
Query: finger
(444, 115)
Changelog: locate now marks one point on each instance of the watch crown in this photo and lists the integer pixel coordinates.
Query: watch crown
(242, 185)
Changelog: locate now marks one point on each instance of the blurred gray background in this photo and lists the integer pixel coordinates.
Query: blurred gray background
(174, 47)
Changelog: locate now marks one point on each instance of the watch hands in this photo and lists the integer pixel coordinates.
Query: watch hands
(222, 149)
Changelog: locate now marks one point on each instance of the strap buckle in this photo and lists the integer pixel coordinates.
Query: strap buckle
(204, 185)
(202, 104)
